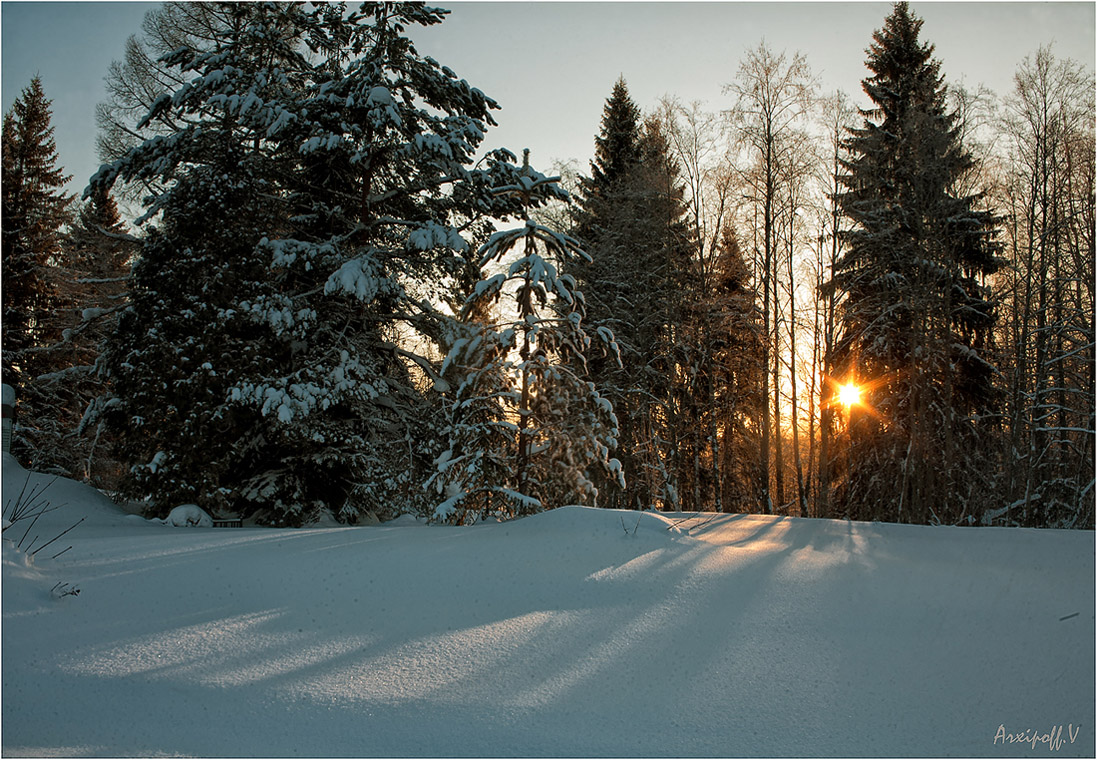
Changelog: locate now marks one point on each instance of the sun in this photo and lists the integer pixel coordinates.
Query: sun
(849, 394)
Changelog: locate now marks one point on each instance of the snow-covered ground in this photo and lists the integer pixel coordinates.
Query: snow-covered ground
(576, 632)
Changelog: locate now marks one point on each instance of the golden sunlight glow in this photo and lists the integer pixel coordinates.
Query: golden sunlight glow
(849, 395)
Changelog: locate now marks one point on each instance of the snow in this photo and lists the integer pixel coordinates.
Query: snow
(87, 315)
(359, 277)
(189, 516)
(433, 235)
(576, 632)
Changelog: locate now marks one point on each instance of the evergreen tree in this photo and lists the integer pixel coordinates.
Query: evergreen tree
(35, 211)
(617, 146)
(526, 430)
(135, 82)
(316, 195)
(99, 255)
(630, 221)
(916, 320)
(734, 321)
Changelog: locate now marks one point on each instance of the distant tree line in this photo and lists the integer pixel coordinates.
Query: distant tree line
(324, 309)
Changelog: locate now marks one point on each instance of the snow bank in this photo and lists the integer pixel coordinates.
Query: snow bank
(601, 522)
(403, 521)
(68, 501)
(576, 632)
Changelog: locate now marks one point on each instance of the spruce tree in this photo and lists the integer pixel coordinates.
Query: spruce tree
(99, 255)
(617, 146)
(276, 357)
(916, 317)
(630, 221)
(735, 327)
(526, 430)
(35, 211)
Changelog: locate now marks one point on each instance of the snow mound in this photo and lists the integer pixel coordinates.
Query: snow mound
(24, 584)
(67, 499)
(18, 563)
(189, 516)
(578, 520)
(403, 520)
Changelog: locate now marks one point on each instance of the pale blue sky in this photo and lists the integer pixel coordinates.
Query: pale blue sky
(552, 65)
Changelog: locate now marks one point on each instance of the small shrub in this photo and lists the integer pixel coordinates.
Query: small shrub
(27, 508)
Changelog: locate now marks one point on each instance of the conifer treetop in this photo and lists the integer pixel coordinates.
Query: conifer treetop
(904, 69)
(617, 146)
(31, 157)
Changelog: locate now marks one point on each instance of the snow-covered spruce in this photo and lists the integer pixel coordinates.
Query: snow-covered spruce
(525, 429)
(317, 213)
(916, 316)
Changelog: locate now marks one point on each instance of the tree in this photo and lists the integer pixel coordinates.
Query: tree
(617, 146)
(1047, 294)
(734, 322)
(98, 253)
(526, 430)
(315, 190)
(717, 339)
(837, 118)
(771, 97)
(35, 210)
(915, 325)
(630, 221)
(135, 82)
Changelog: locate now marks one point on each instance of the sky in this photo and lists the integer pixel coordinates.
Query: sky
(551, 66)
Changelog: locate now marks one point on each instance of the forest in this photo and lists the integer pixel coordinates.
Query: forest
(338, 300)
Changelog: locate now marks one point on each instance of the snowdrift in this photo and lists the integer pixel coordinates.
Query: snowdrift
(602, 523)
(68, 500)
(576, 632)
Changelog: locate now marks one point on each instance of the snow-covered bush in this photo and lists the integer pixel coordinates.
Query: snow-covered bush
(189, 516)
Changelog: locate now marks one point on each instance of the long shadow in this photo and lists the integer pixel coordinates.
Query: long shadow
(859, 631)
(562, 635)
(767, 639)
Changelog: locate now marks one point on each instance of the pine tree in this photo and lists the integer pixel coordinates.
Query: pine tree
(630, 221)
(276, 355)
(916, 320)
(35, 210)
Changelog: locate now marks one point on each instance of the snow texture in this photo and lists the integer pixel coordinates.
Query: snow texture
(189, 516)
(575, 632)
